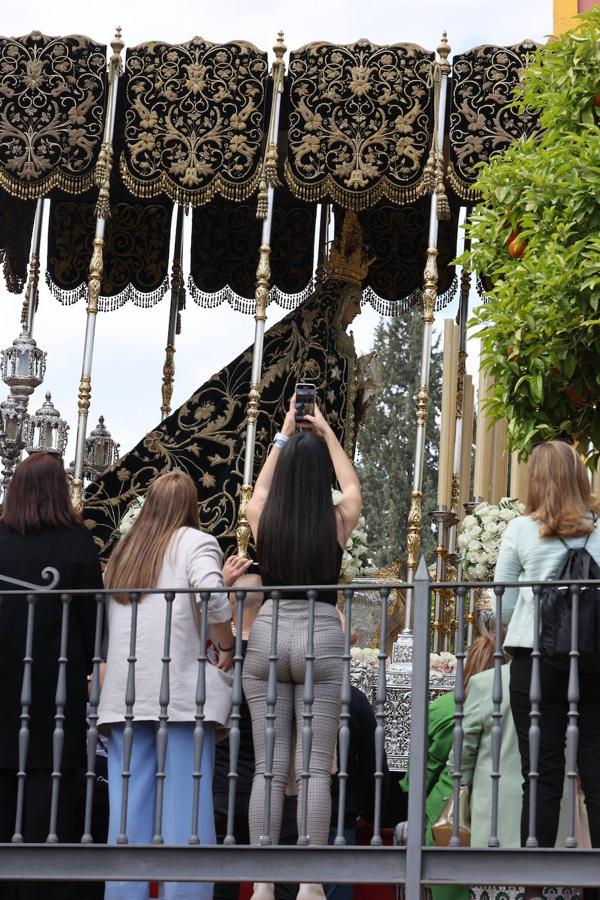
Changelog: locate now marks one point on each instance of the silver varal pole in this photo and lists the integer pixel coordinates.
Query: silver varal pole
(103, 171)
(263, 280)
(438, 210)
(177, 288)
(32, 289)
(463, 315)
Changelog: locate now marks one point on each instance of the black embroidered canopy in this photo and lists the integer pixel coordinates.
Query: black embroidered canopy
(136, 255)
(195, 120)
(52, 101)
(483, 121)
(360, 122)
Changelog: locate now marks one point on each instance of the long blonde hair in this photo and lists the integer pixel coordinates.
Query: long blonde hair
(558, 491)
(171, 503)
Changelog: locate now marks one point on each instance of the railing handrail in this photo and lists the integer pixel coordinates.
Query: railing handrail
(288, 589)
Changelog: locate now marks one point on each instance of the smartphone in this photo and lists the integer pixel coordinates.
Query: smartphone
(306, 395)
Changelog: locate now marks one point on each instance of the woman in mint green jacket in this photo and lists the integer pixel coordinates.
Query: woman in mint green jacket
(561, 514)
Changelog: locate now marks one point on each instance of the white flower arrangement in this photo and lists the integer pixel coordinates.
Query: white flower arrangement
(443, 663)
(130, 516)
(368, 655)
(480, 534)
(355, 559)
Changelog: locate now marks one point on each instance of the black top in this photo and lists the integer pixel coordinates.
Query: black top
(245, 755)
(73, 553)
(324, 596)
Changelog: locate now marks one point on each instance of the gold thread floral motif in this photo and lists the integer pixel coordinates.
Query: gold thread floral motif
(361, 122)
(52, 99)
(194, 121)
(482, 123)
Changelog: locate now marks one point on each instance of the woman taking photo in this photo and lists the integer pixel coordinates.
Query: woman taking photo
(559, 508)
(299, 538)
(164, 549)
(40, 528)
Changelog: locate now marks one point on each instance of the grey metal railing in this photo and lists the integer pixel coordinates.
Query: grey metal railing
(412, 866)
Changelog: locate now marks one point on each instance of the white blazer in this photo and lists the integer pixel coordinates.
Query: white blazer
(192, 559)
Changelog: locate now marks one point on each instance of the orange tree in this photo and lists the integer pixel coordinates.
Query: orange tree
(536, 235)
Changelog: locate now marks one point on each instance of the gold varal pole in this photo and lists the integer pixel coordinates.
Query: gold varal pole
(103, 171)
(413, 536)
(266, 195)
(31, 291)
(177, 290)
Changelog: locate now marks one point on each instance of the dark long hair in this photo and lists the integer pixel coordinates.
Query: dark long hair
(38, 496)
(297, 537)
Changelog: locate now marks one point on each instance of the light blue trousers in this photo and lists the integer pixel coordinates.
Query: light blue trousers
(178, 797)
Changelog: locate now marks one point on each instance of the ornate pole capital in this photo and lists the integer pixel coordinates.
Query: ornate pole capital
(444, 50)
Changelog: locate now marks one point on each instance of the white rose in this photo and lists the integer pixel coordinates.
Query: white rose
(480, 571)
(491, 527)
(507, 514)
(474, 546)
(336, 496)
(469, 522)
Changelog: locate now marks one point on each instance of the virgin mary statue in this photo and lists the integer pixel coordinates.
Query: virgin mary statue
(206, 435)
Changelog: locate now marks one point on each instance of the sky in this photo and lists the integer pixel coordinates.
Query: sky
(129, 345)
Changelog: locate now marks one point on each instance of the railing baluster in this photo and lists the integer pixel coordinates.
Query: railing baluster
(92, 733)
(58, 737)
(128, 728)
(162, 734)
(199, 717)
(418, 733)
(459, 699)
(376, 840)
(25, 716)
(496, 734)
(573, 716)
(236, 702)
(471, 618)
(270, 717)
(344, 735)
(307, 728)
(535, 696)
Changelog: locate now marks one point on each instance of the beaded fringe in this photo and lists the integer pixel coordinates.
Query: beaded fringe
(247, 305)
(328, 189)
(109, 304)
(163, 185)
(404, 304)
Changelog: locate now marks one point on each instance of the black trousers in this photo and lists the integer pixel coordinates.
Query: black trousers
(289, 835)
(554, 709)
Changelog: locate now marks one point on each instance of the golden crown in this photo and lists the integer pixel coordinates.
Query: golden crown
(349, 259)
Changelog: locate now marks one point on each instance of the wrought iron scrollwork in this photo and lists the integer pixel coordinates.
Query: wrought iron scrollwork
(49, 574)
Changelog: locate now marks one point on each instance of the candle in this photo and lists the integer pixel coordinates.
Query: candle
(484, 441)
(466, 456)
(499, 487)
(518, 478)
(448, 422)
(23, 364)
